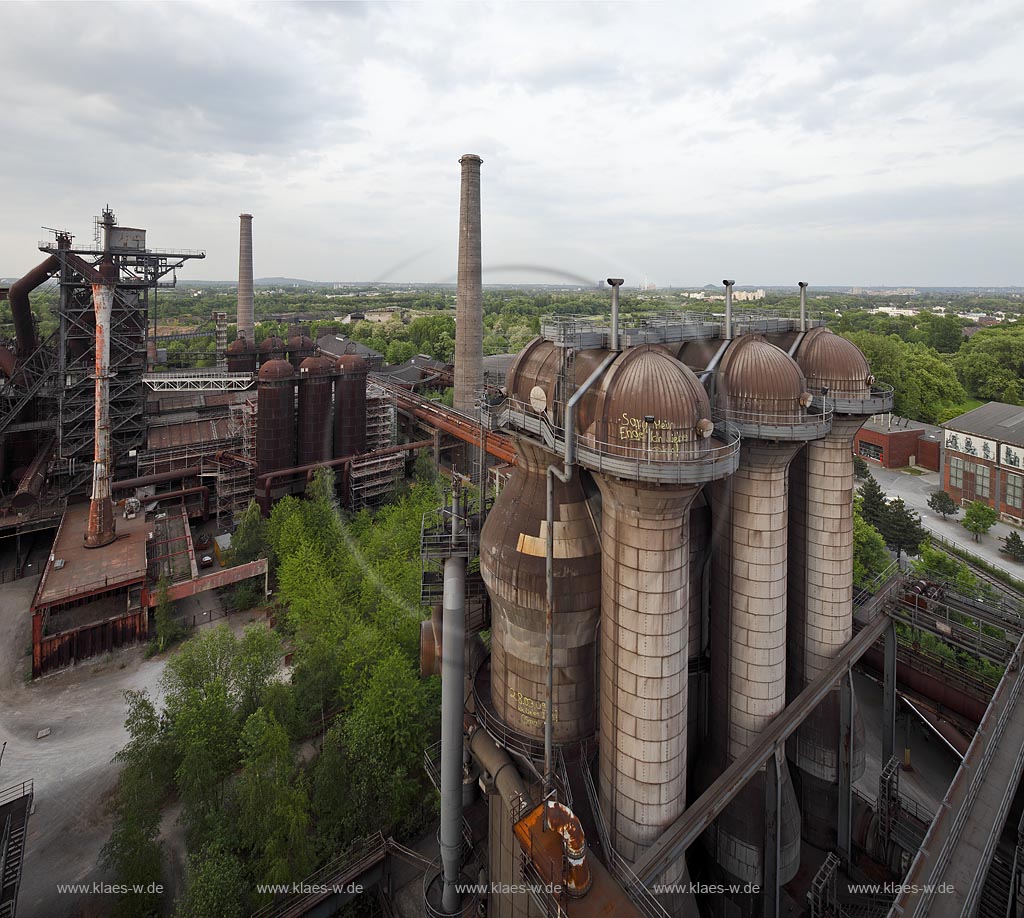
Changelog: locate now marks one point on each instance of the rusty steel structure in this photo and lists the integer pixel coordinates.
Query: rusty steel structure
(350, 406)
(100, 530)
(315, 429)
(666, 550)
(275, 431)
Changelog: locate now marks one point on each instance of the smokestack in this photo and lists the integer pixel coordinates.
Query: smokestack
(246, 316)
(803, 305)
(469, 321)
(616, 282)
(100, 528)
(727, 333)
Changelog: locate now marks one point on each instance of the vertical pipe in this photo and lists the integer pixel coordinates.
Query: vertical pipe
(803, 305)
(246, 313)
(727, 332)
(615, 282)
(469, 377)
(100, 529)
(453, 636)
(889, 694)
(843, 821)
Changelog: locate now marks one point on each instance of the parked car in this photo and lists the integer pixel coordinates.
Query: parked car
(206, 561)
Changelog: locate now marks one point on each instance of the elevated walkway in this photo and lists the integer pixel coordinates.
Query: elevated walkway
(950, 868)
(15, 806)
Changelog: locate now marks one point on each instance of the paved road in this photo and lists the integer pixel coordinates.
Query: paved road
(915, 491)
(74, 778)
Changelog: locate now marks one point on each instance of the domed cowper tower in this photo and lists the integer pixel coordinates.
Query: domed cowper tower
(762, 393)
(275, 417)
(821, 568)
(241, 355)
(650, 411)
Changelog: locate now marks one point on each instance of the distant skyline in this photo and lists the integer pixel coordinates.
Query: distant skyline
(871, 144)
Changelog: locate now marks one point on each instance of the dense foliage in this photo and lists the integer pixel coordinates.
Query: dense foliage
(225, 743)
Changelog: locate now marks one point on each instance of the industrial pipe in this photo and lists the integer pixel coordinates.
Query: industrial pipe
(185, 492)
(270, 477)
(452, 703)
(498, 764)
(7, 362)
(615, 282)
(31, 484)
(127, 484)
(100, 529)
(564, 475)
(803, 319)
(21, 311)
(727, 331)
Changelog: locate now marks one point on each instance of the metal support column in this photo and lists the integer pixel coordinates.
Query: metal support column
(889, 694)
(844, 819)
(772, 832)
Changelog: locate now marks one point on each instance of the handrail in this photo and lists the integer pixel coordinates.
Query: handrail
(21, 789)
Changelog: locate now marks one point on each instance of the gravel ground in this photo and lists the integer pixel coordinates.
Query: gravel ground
(83, 707)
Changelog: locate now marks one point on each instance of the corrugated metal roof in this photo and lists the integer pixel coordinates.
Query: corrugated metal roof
(188, 433)
(995, 421)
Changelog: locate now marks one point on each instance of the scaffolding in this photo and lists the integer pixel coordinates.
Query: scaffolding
(372, 479)
(235, 474)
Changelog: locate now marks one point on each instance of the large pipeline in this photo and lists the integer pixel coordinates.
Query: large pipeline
(498, 764)
(21, 311)
(185, 492)
(32, 482)
(270, 477)
(452, 712)
(127, 484)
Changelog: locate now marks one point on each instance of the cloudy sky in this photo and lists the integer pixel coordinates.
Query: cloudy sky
(837, 142)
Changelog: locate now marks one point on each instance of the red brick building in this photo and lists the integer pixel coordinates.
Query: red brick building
(984, 458)
(895, 442)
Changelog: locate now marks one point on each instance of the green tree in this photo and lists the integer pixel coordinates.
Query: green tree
(168, 629)
(870, 556)
(1013, 545)
(991, 360)
(941, 502)
(256, 662)
(926, 384)
(206, 735)
(942, 333)
(273, 814)
(873, 502)
(901, 528)
(217, 885)
(860, 468)
(979, 518)
(249, 540)
(133, 850)
(1012, 393)
(937, 565)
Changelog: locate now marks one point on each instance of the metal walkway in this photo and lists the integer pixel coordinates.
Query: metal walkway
(949, 870)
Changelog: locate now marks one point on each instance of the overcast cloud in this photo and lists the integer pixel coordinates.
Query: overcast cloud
(872, 143)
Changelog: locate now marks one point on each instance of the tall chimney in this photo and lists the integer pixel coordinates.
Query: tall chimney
(100, 528)
(246, 316)
(469, 319)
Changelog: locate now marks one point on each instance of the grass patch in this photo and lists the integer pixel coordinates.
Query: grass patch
(996, 572)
